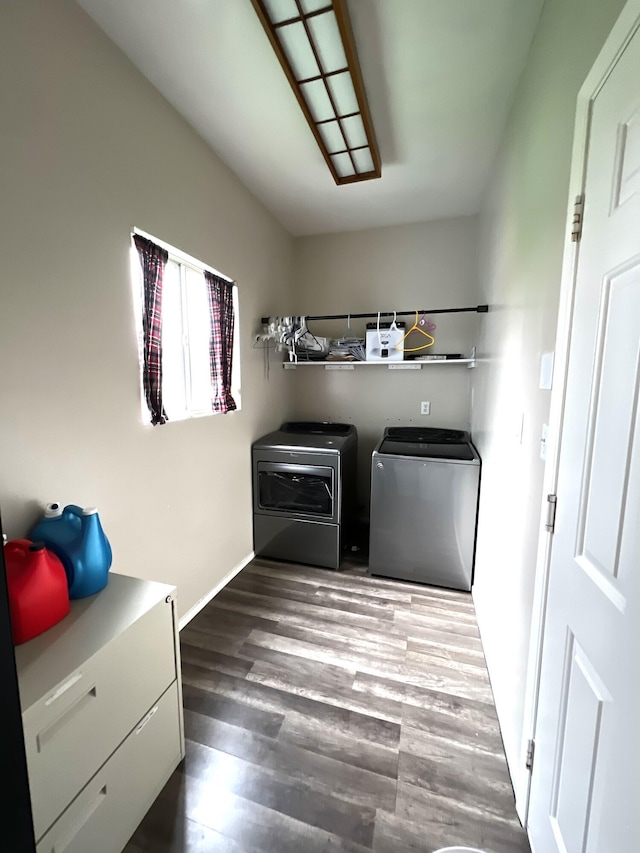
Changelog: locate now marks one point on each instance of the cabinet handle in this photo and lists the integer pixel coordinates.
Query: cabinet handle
(63, 843)
(145, 720)
(50, 731)
(63, 688)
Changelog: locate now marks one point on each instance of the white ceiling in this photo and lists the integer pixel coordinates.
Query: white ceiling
(440, 77)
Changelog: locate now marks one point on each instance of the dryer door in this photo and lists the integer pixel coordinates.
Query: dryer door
(302, 491)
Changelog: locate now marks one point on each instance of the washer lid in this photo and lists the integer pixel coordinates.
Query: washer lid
(432, 450)
(428, 435)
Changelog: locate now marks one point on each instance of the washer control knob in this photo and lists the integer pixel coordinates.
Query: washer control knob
(379, 464)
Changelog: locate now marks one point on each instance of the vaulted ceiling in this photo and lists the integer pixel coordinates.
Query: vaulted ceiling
(440, 77)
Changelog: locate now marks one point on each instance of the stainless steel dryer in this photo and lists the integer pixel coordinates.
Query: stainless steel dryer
(424, 506)
(304, 491)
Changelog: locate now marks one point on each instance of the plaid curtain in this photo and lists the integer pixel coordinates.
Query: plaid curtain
(221, 341)
(153, 260)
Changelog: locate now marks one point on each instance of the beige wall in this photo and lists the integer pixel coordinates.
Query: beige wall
(401, 268)
(88, 149)
(522, 234)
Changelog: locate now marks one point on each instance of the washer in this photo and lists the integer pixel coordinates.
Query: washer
(304, 492)
(424, 506)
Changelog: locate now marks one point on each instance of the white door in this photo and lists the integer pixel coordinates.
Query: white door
(585, 796)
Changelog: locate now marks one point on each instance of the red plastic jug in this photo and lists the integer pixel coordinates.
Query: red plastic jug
(37, 587)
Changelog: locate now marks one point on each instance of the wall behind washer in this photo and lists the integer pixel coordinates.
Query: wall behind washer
(424, 265)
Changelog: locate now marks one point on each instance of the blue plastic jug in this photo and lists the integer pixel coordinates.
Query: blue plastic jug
(75, 535)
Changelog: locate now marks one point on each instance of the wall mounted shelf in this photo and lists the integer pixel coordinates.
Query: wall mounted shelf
(287, 330)
(390, 365)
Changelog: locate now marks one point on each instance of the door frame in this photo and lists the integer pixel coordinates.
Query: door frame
(621, 33)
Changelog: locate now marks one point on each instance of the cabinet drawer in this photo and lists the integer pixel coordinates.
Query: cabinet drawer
(107, 811)
(73, 729)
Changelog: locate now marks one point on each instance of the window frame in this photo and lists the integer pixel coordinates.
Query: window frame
(184, 262)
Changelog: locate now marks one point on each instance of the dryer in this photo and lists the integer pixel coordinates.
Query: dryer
(304, 492)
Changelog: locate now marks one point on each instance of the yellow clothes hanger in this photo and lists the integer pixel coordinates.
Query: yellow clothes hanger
(416, 328)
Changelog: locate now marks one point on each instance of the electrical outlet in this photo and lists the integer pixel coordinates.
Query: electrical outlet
(425, 408)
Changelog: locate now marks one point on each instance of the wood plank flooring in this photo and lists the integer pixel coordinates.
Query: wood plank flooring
(331, 711)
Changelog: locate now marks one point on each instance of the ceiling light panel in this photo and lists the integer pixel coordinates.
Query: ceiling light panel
(314, 43)
(362, 159)
(354, 131)
(343, 93)
(326, 37)
(281, 10)
(298, 51)
(332, 136)
(318, 101)
(343, 165)
(313, 5)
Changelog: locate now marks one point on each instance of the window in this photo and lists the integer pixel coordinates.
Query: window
(190, 382)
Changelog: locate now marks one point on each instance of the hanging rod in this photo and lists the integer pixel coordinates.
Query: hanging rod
(480, 309)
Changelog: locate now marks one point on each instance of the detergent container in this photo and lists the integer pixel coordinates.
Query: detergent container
(37, 588)
(76, 536)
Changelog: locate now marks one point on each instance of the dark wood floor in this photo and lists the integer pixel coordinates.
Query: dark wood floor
(332, 711)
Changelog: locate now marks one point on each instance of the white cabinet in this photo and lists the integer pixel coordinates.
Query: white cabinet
(102, 715)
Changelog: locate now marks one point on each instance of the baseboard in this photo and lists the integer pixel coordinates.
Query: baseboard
(517, 773)
(197, 607)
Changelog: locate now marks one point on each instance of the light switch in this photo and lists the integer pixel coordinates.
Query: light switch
(546, 371)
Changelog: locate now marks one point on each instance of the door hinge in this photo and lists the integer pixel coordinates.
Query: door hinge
(576, 225)
(552, 503)
(531, 748)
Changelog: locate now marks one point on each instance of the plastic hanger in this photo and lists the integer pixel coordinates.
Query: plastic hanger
(348, 337)
(392, 326)
(426, 324)
(416, 328)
